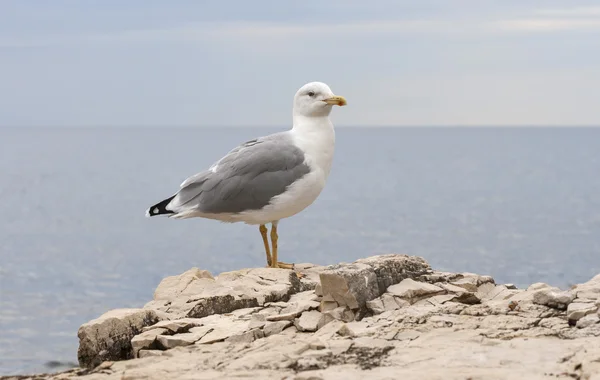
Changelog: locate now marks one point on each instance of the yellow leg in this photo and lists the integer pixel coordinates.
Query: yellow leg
(263, 233)
(274, 238)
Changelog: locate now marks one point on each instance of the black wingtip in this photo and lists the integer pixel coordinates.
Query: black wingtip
(160, 208)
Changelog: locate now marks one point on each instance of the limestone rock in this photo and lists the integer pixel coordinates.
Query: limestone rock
(319, 290)
(338, 347)
(301, 302)
(246, 337)
(190, 282)
(589, 291)
(374, 306)
(284, 317)
(443, 298)
(406, 335)
(309, 321)
(196, 294)
(246, 313)
(471, 282)
(257, 321)
(223, 330)
(353, 285)
(167, 342)
(262, 284)
(146, 340)
(304, 297)
(309, 278)
(553, 297)
(578, 310)
(354, 329)
(412, 290)
(149, 353)
(341, 314)
(434, 277)
(272, 328)
(176, 326)
(328, 305)
(392, 269)
(588, 320)
(329, 330)
(171, 341)
(109, 336)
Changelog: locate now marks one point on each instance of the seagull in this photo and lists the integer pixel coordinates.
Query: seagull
(266, 179)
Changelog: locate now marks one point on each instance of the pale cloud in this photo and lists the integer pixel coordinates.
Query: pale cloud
(555, 20)
(571, 12)
(549, 25)
(209, 31)
(562, 20)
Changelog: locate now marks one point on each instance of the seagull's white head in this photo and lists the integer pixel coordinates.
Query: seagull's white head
(316, 99)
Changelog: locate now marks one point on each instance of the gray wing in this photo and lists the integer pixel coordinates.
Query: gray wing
(247, 178)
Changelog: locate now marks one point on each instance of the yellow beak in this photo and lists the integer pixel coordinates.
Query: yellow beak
(336, 100)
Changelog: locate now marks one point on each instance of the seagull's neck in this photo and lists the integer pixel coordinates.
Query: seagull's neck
(316, 137)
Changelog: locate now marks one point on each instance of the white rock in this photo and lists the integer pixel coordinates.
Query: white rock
(452, 288)
(374, 306)
(341, 314)
(177, 325)
(185, 339)
(339, 346)
(578, 310)
(588, 320)
(328, 305)
(438, 300)
(146, 339)
(407, 335)
(284, 317)
(411, 290)
(189, 282)
(309, 321)
(272, 328)
(352, 285)
(319, 290)
(354, 329)
(391, 302)
(246, 337)
(329, 330)
(471, 282)
(257, 321)
(245, 313)
(553, 297)
(589, 290)
(224, 331)
(149, 353)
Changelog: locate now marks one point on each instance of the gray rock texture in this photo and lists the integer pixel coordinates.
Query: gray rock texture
(384, 317)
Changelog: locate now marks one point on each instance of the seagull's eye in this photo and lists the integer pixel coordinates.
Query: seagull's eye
(311, 93)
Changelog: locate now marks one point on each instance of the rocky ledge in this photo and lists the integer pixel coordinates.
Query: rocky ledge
(384, 317)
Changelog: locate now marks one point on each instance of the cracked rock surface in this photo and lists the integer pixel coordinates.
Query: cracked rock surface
(384, 317)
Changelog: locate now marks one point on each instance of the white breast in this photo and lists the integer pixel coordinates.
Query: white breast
(318, 143)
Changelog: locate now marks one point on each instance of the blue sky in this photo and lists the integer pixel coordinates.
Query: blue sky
(221, 63)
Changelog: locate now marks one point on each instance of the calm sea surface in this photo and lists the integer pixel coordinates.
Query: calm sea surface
(522, 205)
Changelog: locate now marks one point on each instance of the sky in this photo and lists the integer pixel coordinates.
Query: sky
(239, 63)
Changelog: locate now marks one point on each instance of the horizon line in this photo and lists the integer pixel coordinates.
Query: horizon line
(337, 126)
